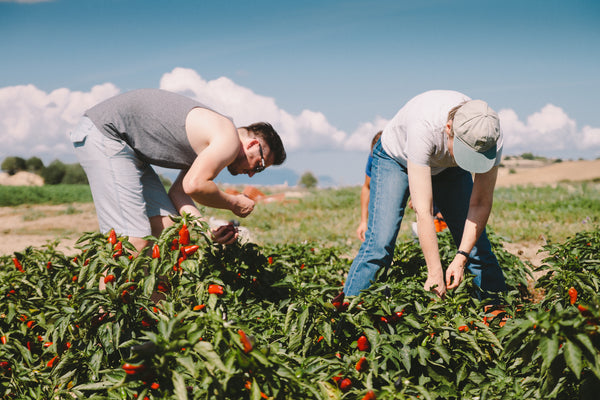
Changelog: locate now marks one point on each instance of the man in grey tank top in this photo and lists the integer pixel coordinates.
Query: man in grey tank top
(118, 141)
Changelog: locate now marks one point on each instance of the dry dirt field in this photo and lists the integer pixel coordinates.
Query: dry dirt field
(25, 226)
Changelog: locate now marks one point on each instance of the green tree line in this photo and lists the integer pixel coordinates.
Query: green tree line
(54, 173)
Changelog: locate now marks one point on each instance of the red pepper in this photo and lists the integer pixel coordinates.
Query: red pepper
(362, 343)
(341, 307)
(184, 236)
(51, 362)
(125, 297)
(270, 260)
(245, 341)
(74, 279)
(30, 324)
(155, 251)
(109, 278)
(199, 307)
(463, 328)
(361, 365)
(147, 322)
(215, 289)
(18, 264)
(175, 244)
(584, 311)
(118, 250)
(572, 295)
(155, 385)
(189, 250)
(131, 369)
(369, 396)
(98, 319)
(3, 339)
(345, 384)
(112, 237)
(162, 287)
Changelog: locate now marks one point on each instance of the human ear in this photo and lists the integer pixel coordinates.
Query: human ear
(449, 129)
(251, 142)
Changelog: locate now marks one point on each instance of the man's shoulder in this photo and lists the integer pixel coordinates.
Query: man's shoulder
(208, 118)
(204, 125)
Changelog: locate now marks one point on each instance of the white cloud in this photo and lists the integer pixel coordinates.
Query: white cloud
(548, 132)
(309, 129)
(590, 139)
(362, 137)
(36, 123)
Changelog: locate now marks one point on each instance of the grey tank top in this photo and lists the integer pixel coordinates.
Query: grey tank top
(152, 122)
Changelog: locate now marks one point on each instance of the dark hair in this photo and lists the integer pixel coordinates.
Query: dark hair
(265, 131)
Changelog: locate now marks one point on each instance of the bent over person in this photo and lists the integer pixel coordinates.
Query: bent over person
(432, 146)
(118, 141)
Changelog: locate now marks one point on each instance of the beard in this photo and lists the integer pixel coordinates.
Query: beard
(232, 170)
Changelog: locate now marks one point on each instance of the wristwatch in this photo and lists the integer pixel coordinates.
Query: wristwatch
(464, 253)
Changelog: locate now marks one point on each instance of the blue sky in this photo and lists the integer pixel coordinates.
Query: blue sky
(327, 74)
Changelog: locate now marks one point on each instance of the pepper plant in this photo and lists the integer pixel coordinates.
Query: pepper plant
(192, 319)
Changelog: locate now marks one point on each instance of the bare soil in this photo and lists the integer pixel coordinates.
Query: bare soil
(38, 225)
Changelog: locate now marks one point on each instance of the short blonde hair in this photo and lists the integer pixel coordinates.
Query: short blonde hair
(451, 115)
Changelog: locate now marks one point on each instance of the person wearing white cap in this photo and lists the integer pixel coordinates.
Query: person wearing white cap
(441, 147)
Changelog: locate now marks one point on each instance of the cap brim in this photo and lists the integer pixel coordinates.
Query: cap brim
(471, 160)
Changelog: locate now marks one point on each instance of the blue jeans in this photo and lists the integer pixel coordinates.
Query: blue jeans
(388, 197)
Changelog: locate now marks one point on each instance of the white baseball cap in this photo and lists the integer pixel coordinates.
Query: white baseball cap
(476, 131)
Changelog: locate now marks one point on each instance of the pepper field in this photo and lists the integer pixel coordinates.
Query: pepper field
(251, 321)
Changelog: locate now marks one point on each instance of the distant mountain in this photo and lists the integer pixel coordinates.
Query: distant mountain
(271, 176)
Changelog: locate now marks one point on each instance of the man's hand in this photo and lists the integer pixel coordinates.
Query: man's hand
(243, 206)
(455, 272)
(225, 234)
(436, 284)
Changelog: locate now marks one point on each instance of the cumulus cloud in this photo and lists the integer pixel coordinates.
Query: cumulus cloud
(548, 132)
(309, 129)
(36, 123)
(362, 137)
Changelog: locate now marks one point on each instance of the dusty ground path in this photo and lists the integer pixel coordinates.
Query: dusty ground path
(38, 225)
(24, 226)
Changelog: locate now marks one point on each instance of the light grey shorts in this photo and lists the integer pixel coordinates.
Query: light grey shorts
(126, 190)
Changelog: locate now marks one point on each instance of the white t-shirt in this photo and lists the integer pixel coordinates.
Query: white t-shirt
(418, 131)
